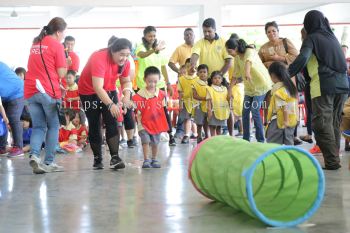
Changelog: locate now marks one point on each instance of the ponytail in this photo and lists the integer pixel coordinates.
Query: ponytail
(240, 44)
(56, 24)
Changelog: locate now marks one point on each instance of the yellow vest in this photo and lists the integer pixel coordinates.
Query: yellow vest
(281, 95)
(201, 87)
(219, 102)
(238, 98)
(185, 86)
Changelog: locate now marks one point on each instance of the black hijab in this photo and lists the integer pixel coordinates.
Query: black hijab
(325, 45)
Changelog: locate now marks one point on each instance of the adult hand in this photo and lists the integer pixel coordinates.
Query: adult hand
(115, 111)
(69, 61)
(126, 102)
(160, 46)
(210, 114)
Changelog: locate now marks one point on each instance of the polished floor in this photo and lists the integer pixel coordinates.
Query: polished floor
(81, 200)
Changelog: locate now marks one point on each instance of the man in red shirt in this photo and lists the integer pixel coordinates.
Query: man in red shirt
(72, 57)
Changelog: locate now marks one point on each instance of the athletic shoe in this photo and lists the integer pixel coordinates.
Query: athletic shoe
(117, 162)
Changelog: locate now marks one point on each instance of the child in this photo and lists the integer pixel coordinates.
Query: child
(4, 121)
(68, 133)
(218, 106)
(150, 108)
(71, 99)
(27, 132)
(237, 103)
(21, 72)
(199, 90)
(186, 99)
(82, 132)
(282, 111)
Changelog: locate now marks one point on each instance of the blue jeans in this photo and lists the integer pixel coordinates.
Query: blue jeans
(253, 104)
(45, 121)
(14, 110)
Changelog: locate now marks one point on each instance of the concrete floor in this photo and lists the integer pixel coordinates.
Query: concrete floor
(81, 200)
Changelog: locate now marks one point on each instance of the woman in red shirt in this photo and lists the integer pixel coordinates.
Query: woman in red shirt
(46, 68)
(98, 96)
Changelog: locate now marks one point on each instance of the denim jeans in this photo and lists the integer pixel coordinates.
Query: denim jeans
(45, 121)
(14, 110)
(253, 104)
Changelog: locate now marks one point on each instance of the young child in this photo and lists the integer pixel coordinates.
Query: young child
(237, 103)
(71, 99)
(27, 132)
(68, 133)
(218, 106)
(186, 99)
(282, 111)
(21, 72)
(199, 90)
(82, 132)
(150, 107)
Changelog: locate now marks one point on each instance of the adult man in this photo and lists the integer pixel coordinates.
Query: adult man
(72, 58)
(211, 49)
(182, 52)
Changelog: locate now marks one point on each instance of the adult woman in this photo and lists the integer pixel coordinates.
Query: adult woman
(322, 55)
(257, 83)
(277, 49)
(98, 95)
(46, 68)
(149, 54)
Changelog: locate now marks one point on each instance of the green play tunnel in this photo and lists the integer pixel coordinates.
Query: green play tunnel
(280, 185)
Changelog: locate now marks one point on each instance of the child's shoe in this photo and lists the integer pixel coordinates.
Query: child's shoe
(147, 164)
(155, 163)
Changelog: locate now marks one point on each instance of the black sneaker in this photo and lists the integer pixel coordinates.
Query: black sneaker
(117, 163)
(172, 141)
(185, 140)
(131, 143)
(199, 140)
(98, 165)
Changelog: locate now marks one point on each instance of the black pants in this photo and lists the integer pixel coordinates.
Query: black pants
(94, 109)
(308, 106)
(326, 119)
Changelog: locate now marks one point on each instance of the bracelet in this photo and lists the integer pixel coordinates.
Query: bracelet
(109, 106)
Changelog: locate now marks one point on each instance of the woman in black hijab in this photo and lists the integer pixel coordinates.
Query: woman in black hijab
(321, 54)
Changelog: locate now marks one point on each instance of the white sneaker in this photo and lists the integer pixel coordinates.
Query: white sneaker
(53, 167)
(35, 164)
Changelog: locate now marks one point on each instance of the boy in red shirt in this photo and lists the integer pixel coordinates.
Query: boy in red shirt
(71, 99)
(150, 107)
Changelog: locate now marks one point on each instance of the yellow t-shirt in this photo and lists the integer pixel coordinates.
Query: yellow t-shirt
(201, 88)
(212, 54)
(157, 60)
(220, 105)
(282, 101)
(185, 86)
(261, 81)
(238, 98)
(180, 54)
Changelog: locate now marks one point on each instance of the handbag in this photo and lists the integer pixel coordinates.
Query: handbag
(59, 109)
(299, 77)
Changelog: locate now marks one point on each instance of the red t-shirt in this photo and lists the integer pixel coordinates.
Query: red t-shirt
(101, 65)
(72, 92)
(75, 61)
(53, 54)
(67, 133)
(82, 131)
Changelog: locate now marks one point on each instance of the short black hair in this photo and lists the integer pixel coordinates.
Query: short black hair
(72, 72)
(188, 29)
(69, 38)
(70, 113)
(149, 29)
(209, 23)
(20, 70)
(202, 67)
(151, 70)
(271, 24)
